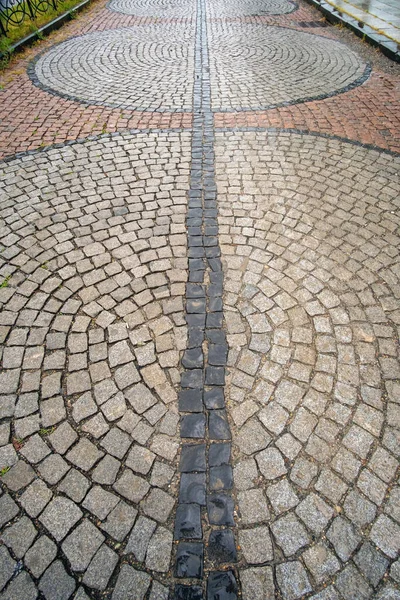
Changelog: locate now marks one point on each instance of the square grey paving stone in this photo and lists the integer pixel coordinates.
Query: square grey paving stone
(385, 533)
(8, 509)
(100, 502)
(40, 555)
(292, 580)
(81, 545)
(63, 437)
(20, 587)
(282, 496)
(344, 537)
(8, 456)
(352, 585)
(19, 536)
(140, 537)
(321, 562)
(120, 521)
(116, 442)
(140, 459)
(60, 516)
(256, 545)
(371, 563)
(84, 455)
(315, 513)
(35, 449)
(131, 584)
(75, 485)
(19, 476)
(158, 554)
(106, 471)
(7, 565)
(56, 584)
(35, 497)
(101, 568)
(131, 486)
(258, 582)
(161, 474)
(158, 505)
(290, 534)
(53, 468)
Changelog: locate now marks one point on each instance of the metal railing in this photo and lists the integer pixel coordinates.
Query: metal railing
(15, 12)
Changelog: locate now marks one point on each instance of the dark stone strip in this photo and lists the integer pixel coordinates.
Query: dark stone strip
(204, 521)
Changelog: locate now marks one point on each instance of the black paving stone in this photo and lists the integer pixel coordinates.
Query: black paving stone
(214, 289)
(196, 264)
(215, 304)
(188, 592)
(214, 319)
(195, 337)
(193, 458)
(219, 454)
(192, 378)
(221, 478)
(196, 305)
(215, 264)
(193, 488)
(218, 425)
(220, 509)
(193, 426)
(196, 276)
(196, 320)
(221, 585)
(215, 376)
(216, 336)
(195, 291)
(189, 559)
(191, 400)
(214, 398)
(195, 240)
(188, 522)
(193, 358)
(212, 252)
(222, 547)
(196, 252)
(210, 241)
(216, 276)
(217, 354)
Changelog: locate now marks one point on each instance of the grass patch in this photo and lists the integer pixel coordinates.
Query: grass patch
(28, 26)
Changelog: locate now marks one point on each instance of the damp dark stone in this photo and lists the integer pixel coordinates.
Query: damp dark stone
(189, 559)
(214, 398)
(187, 522)
(218, 425)
(193, 458)
(193, 426)
(193, 488)
(221, 478)
(222, 547)
(222, 585)
(220, 509)
(219, 454)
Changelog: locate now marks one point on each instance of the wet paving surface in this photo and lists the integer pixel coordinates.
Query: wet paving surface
(200, 375)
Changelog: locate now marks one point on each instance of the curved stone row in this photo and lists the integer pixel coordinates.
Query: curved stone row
(249, 8)
(166, 9)
(310, 247)
(93, 271)
(256, 66)
(145, 68)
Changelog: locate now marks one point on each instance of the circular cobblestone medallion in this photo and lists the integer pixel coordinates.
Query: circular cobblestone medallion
(146, 68)
(246, 8)
(256, 66)
(311, 260)
(177, 9)
(92, 330)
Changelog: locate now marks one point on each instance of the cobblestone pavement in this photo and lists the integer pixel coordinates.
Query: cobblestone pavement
(199, 292)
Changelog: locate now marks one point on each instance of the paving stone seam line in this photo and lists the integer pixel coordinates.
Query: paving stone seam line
(317, 134)
(92, 138)
(204, 516)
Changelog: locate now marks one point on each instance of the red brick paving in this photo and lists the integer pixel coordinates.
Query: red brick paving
(32, 118)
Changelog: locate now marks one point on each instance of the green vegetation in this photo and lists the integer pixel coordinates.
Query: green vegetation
(28, 26)
(5, 281)
(4, 471)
